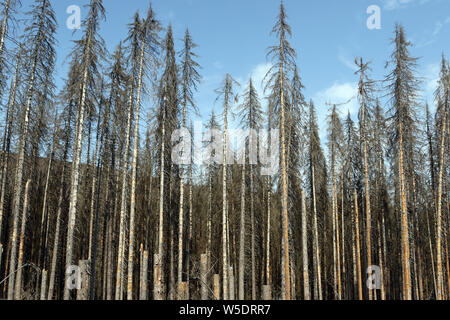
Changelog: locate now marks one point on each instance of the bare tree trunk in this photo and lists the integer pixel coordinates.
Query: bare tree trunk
(1, 254)
(252, 218)
(110, 271)
(133, 176)
(242, 235)
(75, 174)
(203, 277)
(407, 292)
(439, 236)
(343, 261)
(123, 203)
(306, 289)
(430, 243)
(209, 223)
(380, 257)
(94, 182)
(83, 292)
(358, 248)
(18, 285)
(216, 287)
(191, 212)
(144, 273)
(224, 201)
(231, 282)
(159, 280)
(338, 247)
(157, 284)
(43, 285)
(269, 204)
(267, 293)
(285, 218)
(318, 273)
(367, 197)
(51, 286)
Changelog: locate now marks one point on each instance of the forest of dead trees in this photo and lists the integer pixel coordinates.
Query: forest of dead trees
(88, 187)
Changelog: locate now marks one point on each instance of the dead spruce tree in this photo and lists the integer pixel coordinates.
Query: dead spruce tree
(89, 50)
(145, 49)
(166, 121)
(402, 91)
(317, 180)
(443, 98)
(251, 114)
(226, 93)
(277, 81)
(189, 80)
(365, 98)
(40, 39)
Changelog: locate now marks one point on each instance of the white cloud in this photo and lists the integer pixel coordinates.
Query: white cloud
(336, 94)
(397, 4)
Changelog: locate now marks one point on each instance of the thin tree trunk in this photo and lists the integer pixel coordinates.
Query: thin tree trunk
(242, 235)
(269, 204)
(161, 205)
(18, 285)
(318, 280)
(224, 201)
(75, 174)
(306, 289)
(358, 248)
(43, 285)
(367, 196)
(407, 292)
(133, 176)
(285, 218)
(123, 203)
(439, 236)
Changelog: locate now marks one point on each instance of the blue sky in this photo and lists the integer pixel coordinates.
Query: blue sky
(233, 37)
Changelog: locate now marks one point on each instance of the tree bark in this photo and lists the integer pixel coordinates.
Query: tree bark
(18, 285)
(306, 289)
(358, 248)
(242, 235)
